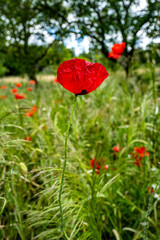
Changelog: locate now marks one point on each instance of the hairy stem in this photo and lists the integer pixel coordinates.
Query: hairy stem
(64, 168)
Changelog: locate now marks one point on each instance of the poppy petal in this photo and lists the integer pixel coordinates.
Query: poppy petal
(81, 77)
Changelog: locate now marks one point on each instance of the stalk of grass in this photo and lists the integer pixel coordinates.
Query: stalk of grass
(64, 168)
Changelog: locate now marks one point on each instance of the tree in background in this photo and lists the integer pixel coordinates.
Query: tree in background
(24, 28)
(108, 21)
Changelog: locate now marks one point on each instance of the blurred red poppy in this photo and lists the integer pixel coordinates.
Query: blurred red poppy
(81, 77)
(117, 50)
(138, 154)
(116, 149)
(98, 165)
(29, 89)
(18, 84)
(19, 96)
(106, 167)
(55, 80)
(32, 82)
(28, 138)
(3, 97)
(32, 111)
(3, 87)
(142, 151)
(151, 190)
(14, 90)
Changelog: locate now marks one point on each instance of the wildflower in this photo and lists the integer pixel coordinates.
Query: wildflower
(106, 167)
(81, 77)
(32, 82)
(32, 111)
(55, 80)
(138, 154)
(18, 84)
(14, 90)
(3, 97)
(117, 50)
(151, 190)
(19, 96)
(28, 138)
(3, 87)
(116, 149)
(29, 89)
(97, 165)
(142, 151)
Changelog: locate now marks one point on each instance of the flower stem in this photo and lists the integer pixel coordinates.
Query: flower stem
(64, 168)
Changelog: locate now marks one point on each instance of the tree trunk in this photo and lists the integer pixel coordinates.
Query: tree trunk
(32, 76)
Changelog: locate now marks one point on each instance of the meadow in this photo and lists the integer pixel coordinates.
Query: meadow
(116, 127)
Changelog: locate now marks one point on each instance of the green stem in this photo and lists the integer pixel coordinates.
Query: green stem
(20, 114)
(64, 168)
(4, 204)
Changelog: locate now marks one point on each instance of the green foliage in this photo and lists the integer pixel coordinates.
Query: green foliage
(108, 205)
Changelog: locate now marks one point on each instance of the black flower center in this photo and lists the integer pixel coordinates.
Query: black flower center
(83, 92)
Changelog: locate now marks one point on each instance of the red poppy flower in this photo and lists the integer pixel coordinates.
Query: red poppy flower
(106, 167)
(28, 138)
(81, 77)
(3, 87)
(32, 111)
(116, 149)
(117, 50)
(98, 165)
(138, 154)
(14, 90)
(55, 80)
(151, 190)
(18, 84)
(19, 96)
(142, 151)
(138, 162)
(32, 82)
(29, 89)
(3, 97)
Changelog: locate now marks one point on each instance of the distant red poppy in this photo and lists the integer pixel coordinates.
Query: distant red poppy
(3, 87)
(98, 165)
(32, 111)
(14, 90)
(81, 77)
(18, 84)
(28, 138)
(142, 151)
(32, 82)
(106, 167)
(29, 89)
(116, 149)
(19, 96)
(117, 50)
(138, 154)
(55, 80)
(151, 190)
(3, 97)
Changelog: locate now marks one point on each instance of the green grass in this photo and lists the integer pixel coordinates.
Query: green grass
(110, 205)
